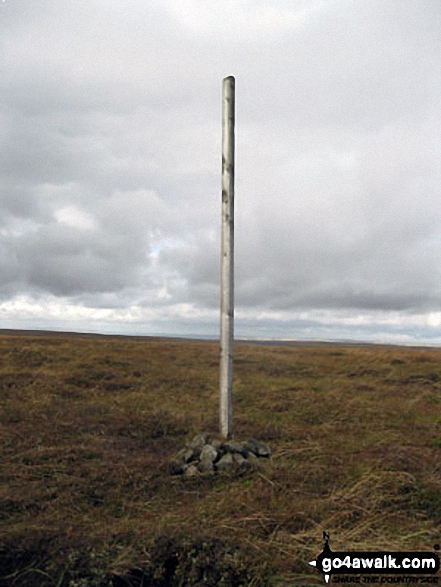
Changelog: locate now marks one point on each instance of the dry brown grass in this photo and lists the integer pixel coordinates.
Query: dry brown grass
(88, 426)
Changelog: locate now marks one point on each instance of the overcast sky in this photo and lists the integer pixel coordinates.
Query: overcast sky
(110, 150)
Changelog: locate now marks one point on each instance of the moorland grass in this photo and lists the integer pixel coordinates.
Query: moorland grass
(89, 425)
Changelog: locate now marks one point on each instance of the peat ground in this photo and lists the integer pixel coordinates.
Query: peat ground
(88, 426)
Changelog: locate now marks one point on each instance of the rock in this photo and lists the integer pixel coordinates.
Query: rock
(217, 444)
(252, 459)
(185, 455)
(246, 465)
(176, 468)
(208, 453)
(225, 462)
(260, 449)
(238, 458)
(242, 462)
(236, 447)
(205, 466)
(180, 457)
(191, 471)
(198, 443)
(206, 456)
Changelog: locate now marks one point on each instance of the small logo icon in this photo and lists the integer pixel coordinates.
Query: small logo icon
(378, 562)
(325, 553)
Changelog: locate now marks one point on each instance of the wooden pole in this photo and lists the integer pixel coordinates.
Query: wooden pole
(227, 259)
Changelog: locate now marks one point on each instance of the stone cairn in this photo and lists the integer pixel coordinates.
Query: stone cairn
(205, 455)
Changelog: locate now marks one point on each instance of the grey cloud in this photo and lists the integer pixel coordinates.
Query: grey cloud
(111, 113)
(110, 254)
(64, 260)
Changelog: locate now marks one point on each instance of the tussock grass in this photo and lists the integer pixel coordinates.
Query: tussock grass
(88, 426)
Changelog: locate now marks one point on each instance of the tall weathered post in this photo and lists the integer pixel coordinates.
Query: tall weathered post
(227, 259)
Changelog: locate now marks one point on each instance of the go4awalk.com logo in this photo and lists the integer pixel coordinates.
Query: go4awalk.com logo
(409, 565)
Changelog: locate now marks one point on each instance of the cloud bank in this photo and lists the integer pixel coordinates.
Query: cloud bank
(110, 174)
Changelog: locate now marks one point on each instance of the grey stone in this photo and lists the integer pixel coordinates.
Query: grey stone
(242, 462)
(260, 449)
(235, 447)
(185, 455)
(205, 466)
(208, 453)
(225, 462)
(252, 459)
(217, 444)
(246, 465)
(206, 456)
(238, 458)
(176, 468)
(180, 457)
(198, 442)
(191, 471)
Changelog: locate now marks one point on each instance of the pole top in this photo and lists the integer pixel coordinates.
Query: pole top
(229, 78)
